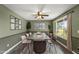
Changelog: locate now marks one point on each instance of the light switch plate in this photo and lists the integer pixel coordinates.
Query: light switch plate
(8, 45)
(78, 31)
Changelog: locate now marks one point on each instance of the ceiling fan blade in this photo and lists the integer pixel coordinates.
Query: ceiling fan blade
(45, 15)
(42, 17)
(36, 14)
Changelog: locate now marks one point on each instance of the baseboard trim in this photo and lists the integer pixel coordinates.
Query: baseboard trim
(6, 52)
(65, 47)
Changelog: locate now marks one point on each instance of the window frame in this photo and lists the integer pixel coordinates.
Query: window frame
(16, 23)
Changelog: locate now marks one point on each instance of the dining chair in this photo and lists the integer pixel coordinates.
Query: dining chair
(27, 34)
(30, 33)
(26, 41)
(50, 44)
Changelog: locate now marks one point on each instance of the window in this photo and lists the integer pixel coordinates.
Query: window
(20, 25)
(61, 28)
(12, 18)
(15, 23)
(39, 25)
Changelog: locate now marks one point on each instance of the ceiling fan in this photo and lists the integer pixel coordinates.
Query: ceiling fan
(40, 15)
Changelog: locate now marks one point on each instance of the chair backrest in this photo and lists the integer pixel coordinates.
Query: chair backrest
(49, 41)
(27, 34)
(24, 39)
(30, 33)
(38, 32)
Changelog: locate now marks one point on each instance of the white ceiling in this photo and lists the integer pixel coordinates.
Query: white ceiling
(26, 10)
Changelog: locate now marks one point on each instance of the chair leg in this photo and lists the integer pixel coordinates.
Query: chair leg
(29, 47)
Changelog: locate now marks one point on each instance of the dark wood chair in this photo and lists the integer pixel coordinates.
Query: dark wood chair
(39, 46)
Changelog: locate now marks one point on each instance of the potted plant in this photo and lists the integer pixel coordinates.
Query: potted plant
(50, 28)
(28, 26)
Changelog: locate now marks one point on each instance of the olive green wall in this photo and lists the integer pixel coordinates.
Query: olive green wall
(5, 22)
(75, 22)
(75, 29)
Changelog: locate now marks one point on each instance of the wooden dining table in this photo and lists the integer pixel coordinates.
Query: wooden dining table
(39, 42)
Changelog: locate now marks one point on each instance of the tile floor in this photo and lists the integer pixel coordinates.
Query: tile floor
(53, 48)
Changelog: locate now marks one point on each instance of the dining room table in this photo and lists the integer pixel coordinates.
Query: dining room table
(39, 41)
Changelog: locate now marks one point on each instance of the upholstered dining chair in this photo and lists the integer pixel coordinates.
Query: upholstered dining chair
(30, 33)
(27, 34)
(50, 44)
(26, 42)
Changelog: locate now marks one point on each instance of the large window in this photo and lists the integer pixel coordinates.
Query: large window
(61, 28)
(39, 25)
(15, 23)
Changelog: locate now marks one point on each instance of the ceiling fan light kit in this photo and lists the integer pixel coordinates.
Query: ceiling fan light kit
(39, 15)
